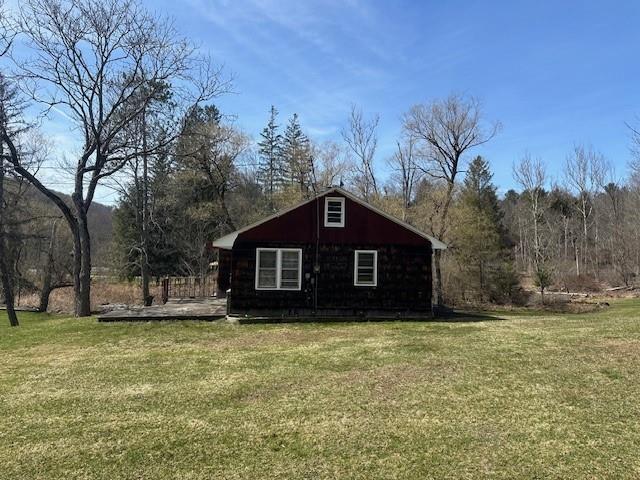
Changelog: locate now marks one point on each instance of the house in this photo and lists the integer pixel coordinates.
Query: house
(333, 255)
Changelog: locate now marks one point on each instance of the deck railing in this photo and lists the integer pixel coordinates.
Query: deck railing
(189, 287)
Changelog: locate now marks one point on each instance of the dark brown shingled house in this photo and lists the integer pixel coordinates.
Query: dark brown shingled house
(332, 256)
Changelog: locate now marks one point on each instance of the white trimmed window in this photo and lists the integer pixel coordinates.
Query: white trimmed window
(334, 212)
(278, 269)
(365, 272)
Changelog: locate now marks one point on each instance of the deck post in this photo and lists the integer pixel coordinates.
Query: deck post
(165, 290)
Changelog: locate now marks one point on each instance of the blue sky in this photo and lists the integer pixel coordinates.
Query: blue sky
(553, 73)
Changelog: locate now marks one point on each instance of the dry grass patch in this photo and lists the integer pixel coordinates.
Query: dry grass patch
(102, 292)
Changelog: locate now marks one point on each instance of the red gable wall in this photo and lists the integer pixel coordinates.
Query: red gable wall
(362, 226)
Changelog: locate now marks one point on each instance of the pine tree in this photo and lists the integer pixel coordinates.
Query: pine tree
(297, 156)
(270, 168)
(480, 239)
(479, 191)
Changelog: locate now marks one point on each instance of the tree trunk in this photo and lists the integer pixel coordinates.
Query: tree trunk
(83, 249)
(437, 254)
(227, 215)
(585, 233)
(79, 229)
(596, 250)
(437, 278)
(5, 273)
(77, 263)
(47, 275)
(45, 294)
(8, 291)
(7, 287)
(144, 260)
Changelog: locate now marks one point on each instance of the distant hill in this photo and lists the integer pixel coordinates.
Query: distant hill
(100, 225)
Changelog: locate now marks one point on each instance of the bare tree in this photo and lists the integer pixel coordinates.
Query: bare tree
(7, 113)
(404, 164)
(618, 233)
(7, 32)
(57, 268)
(446, 131)
(5, 269)
(219, 167)
(333, 163)
(98, 63)
(361, 138)
(584, 171)
(210, 149)
(11, 127)
(635, 151)
(531, 176)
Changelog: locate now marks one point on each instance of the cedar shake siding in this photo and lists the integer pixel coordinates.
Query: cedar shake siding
(403, 282)
(399, 287)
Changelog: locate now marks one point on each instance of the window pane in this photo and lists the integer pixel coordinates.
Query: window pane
(267, 259)
(267, 278)
(289, 274)
(365, 268)
(365, 259)
(289, 279)
(289, 270)
(365, 276)
(290, 260)
(334, 211)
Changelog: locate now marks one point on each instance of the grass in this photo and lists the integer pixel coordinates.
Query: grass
(511, 396)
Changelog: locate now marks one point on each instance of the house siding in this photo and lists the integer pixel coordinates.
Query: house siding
(403, 281)
(362, 226)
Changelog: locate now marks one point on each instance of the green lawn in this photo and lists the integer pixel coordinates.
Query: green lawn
(519, 396)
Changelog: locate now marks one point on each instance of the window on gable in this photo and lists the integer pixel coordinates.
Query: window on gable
(278, 269)
(334, 212)
(366, 268)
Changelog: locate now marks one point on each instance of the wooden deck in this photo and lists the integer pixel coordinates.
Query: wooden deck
(179, 309)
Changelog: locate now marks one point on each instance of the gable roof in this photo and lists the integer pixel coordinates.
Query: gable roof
(228, 240)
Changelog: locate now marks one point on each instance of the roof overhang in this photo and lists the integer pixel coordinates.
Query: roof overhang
(226, 242)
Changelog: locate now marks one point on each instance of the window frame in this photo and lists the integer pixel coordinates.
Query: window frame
(279, 252)
(375, 268)
(341, 200)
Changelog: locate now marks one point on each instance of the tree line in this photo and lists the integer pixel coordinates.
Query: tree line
(141, 100)
(576, 232)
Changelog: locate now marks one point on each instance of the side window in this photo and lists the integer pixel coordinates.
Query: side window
(290, 269)
(365, 268)
(278, 269)
(334, 212)
(266, 268)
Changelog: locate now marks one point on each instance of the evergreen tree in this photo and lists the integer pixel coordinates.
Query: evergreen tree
(297, 156)
(480, 240)
(163, 255)
(478, 189)
(270, 168)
